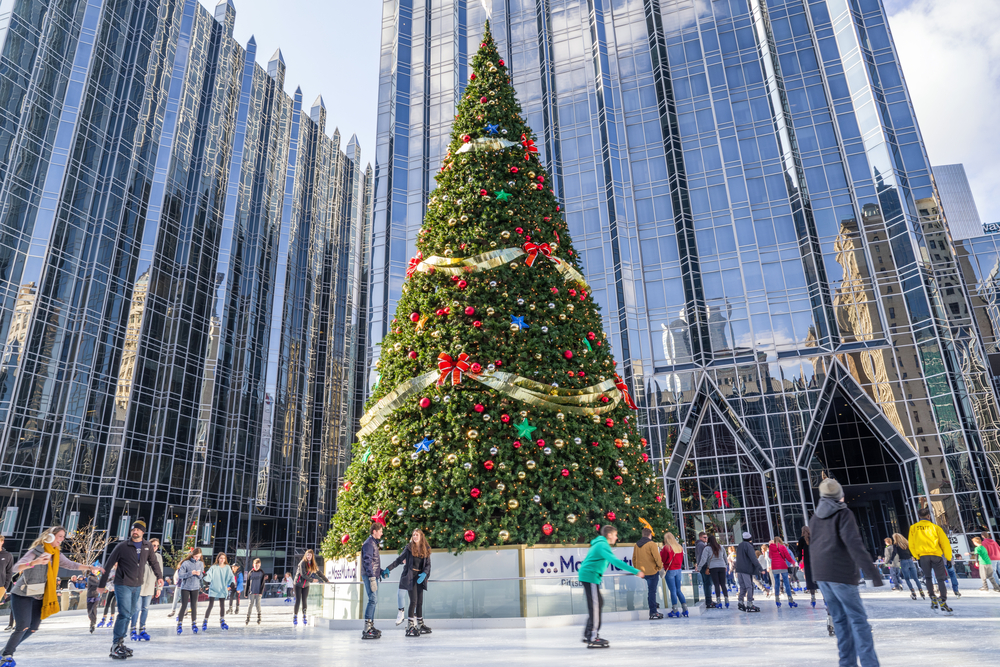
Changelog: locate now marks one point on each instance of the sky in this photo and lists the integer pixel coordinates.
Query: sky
(950, 51)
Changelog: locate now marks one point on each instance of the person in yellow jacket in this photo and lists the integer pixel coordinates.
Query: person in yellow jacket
(932, 549)
(646, 557)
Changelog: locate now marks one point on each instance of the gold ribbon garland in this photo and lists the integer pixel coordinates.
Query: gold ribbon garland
(517, 387)
(453, 266)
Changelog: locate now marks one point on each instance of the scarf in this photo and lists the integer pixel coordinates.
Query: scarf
(50, 601)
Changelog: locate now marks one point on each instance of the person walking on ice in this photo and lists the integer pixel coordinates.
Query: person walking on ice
(220, 578)
(371, 574)
(646, 557)
(746, 566)
(254, 587)
(591, 573)
(149, 589)
(416, 561)
(672, 557)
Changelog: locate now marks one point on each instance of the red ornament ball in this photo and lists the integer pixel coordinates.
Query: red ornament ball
(483, 99)
(345, 538)
(645, 457)
(505, 418)
(565, 472)
(462, 284)
(466, 138)
(618, 480)
(591, 335)
(470, 535)
(475, 368)
(568, 354)
(609, 422)
(611, 516)
(425, 402)
(473, 77)
(498, 363)
(477, 324)
(488, 465)
(540, 443)
(514, 170)
(469, 310)
(482, 193)
(414, 317)
(478, 407)
(475, 493)
(547, 529)
(347, 486)
(412, 354)
(501, 63)
(519, 230)
(517, 444)
(659, 499)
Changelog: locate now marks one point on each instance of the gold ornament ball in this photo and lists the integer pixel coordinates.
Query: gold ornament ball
(464, 218)
(427, 504)
(473, 434)
(395, 440)
(523, 413)
(571, 518)
(521, 475)
(562, 316)
(396, 462)
(599, 472)
(560, 416)
(538, 357)
(501, 486)
(559, 442)
(452, 458)
(512, 503)
(628, 500)
(505, 235)
(531, 465)
(417, 490)
(504, 535)
(490, 311)
(502, 465)
(397, 347)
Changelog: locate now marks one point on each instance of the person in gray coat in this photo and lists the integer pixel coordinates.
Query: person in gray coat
(747, 567)
(189, 574)
(714, 557)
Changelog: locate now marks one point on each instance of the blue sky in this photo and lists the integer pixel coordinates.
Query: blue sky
(950, 50)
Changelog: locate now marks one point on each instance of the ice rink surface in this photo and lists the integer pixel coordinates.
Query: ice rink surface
(906, 633)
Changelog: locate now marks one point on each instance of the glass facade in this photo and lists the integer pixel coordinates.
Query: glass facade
(748, 189)
(181, 246)
(956, 197)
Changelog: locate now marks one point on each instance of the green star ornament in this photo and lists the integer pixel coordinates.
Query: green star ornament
(524, 429)
(503, 196)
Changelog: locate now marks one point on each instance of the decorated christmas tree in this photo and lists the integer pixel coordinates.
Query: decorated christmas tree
(498, 416)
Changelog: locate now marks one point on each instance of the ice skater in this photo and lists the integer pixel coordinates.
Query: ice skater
(932, 549)
(672, 557)
(304, 574)
(985, 565)
(416, 561)
(907, 569)
(149, 589)
(254, 588)
(591, 573)
(746, 566)
(236, 589)
(646, 557)
(93, 597)
(714, 558)
(781, 561)
(289, 585)
(109, 604)
(219, 578)
(371, 574)
(189, 573)
(807, 566)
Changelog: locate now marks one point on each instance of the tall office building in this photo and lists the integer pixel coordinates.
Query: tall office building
(750, 195)
(181, 280)
(957, 199)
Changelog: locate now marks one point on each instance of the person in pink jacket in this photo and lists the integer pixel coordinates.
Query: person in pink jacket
(781, 561)
(993, 549)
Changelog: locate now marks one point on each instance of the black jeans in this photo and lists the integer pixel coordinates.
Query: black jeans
(416, 602)
(594, 603)
(301, 596)
(718, 575)
(652, 581)
(234, 595)
(27, 615)
(111, 603)
(935, 564)
(222, 608)
(192, 598)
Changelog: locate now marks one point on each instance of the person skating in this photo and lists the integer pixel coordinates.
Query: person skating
(713, 557)
(803, 548)
(130, 557)
(985, 566)
(110, 604)
(993, 549)
(706, 579)
(371, 574)
(189, 573)
(672, 558)
(6, 569)
(35, 597)
(907, 569)
(932, 549)
(893, 564)
(746, 566)
(304, 574)
(646, 557)
(731, 582)
(765, 569)
(177, 594)
(416, 561)
(219, 578)
(837, 555)
(149, 589)
(236, 589)
(781, 561)
(254, 588)
(93, 597)
(591, 573)
(289, 584)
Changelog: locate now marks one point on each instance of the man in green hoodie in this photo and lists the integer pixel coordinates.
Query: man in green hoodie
(591, 572)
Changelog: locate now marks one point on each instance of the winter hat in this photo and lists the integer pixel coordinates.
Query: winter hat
(831, 488)
(746, 535)
(140, 524)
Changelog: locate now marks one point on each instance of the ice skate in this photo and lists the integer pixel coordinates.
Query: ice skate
(369, 632)
(222, 624)
(248, 620)
(258, 619)
(957, 594)
(103, 621)
(180, 630)
(400, 616)
(194, 627)
(684, 610)
(741, 606)
(424, 630)
(913, 595)
(792, 603)
(118, 652)
(7, 661)
(204, 625)
(673, 613)
(753, 607)
(922, 596)
(934, 603)
(295, 619)
(305, 620)
(727, 602)
(170, 614)
(134, 636)
(655, 616)
(143, 635)
(945, 608)
(92, 626)
(777, 602)
(411, 629)
(598, 643)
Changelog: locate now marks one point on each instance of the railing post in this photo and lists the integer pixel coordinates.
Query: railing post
(524, 584)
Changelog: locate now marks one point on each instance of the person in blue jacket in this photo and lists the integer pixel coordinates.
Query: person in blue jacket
(219, 578)
(236, 589)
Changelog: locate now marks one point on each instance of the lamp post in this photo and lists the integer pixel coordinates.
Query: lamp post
(249, 562)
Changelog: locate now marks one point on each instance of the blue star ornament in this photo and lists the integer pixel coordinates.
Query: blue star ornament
(424, 445)
(492, 129)
(519, 321)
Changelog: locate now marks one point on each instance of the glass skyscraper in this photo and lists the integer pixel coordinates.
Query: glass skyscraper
(749, 191)
(181, 280)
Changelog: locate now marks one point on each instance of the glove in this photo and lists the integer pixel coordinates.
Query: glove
(373, 581)
(420, 579)
(385, 574)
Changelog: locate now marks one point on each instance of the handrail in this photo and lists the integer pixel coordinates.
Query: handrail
(551, 577)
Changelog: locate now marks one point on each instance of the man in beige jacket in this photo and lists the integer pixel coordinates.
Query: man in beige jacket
(646, 557)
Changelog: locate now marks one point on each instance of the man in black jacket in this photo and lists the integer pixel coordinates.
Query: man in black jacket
(747, 566)
(253, 587)
(706, 581)
(6, 569)
(371, 574)
(132, 555)
(836, 553)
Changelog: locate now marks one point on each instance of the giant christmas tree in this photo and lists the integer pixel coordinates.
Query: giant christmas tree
(498, 416)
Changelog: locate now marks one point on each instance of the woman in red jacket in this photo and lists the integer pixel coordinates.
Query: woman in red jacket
(672, 557)
(781, 561)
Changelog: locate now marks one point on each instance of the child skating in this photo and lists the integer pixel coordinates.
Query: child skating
(591, 573)
(254, 587)
(93, 597)
(219, 578)
(189, 580)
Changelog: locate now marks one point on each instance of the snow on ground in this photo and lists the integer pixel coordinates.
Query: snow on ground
(906, 633)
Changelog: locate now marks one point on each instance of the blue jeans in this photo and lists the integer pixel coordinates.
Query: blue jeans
(953, 576)
(128, 604)
(779, 577)
(402, 599)
(143, 612)
(996, 571)
(673, 578)
(908, 571)
(372, 600)
(854, 635)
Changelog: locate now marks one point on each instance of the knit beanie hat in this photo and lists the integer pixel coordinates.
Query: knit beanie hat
(831, 488)
(746, 535)
(140, 524)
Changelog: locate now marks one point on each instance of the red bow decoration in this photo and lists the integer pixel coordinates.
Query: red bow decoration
(448, 365)
(623, 388)
(722, 498)
(528, 144)
(534, 248)
(414, 263)
(379, 517)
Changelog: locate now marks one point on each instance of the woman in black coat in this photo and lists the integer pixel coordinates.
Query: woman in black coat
(803, 546)
(416, 561)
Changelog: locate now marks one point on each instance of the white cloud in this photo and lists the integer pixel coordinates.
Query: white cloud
(950, 53)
